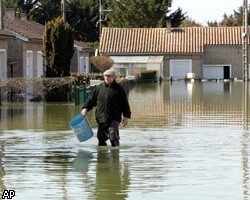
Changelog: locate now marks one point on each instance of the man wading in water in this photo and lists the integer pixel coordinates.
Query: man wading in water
(112, 107)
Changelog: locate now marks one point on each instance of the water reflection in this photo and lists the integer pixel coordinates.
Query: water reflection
(245, 165)
(245, 143)
(189, 104)
(153, 105)
(82, 161)
(112, 178)
(2, 171)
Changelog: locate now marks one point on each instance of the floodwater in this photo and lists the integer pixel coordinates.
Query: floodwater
(185, 141)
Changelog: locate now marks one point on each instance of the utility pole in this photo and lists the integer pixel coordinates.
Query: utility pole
(1, 15)
(100, 18)
(101, 12)
(245, 40)
(63, 11)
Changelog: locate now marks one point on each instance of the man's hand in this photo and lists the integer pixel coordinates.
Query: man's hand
(84, 111)
(125, 121)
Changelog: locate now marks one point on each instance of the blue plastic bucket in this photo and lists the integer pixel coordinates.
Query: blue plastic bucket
(82, 130)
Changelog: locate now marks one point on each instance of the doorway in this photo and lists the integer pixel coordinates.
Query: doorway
(226, 72)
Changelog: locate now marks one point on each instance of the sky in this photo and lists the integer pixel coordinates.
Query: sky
(207, 10)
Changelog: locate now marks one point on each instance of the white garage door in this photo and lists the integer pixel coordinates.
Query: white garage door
(212, 72)
(180, 68)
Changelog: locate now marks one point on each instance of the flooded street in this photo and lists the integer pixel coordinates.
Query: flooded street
(184, 141)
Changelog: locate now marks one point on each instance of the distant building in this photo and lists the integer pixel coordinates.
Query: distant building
(205, 52)
(22, 46)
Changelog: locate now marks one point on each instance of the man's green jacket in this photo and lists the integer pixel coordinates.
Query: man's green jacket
(111, 103)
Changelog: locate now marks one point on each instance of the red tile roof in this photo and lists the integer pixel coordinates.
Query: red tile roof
(156, 40)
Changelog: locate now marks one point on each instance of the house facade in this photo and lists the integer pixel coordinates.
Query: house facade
(4, 38)
(24, 50)
(204, 52)
(81, 58)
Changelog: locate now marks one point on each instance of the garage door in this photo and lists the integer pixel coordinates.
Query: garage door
(216, 72)
(180, 68)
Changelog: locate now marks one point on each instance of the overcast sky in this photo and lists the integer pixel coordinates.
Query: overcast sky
(207, 10)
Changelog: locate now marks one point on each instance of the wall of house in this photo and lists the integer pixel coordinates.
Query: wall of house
(74, 62)
(3, 57)
(85, 54)
(34, 48)
(225, 55)
(15, 56)
(197, 63)
(3, 44)
(75, 59)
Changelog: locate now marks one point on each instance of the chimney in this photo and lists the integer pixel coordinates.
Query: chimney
(23, 16)
(10, 12)
(168, 25)
(1, 15)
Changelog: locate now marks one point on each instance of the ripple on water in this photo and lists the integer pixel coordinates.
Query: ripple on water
(197, 163)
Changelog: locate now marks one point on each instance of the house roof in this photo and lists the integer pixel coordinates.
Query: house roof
(82, 46)
(4, 34)
(157, 40)
(24, 28)
(30, 30)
